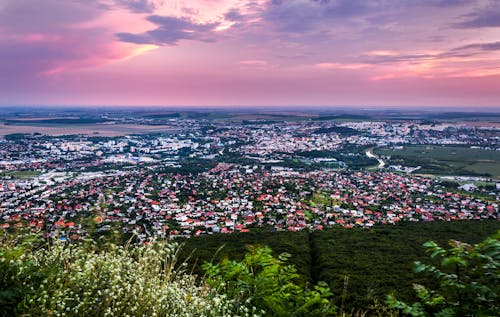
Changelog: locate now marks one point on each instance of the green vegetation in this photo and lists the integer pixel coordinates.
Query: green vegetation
(468, 280)
(449, 160)
(352, 155)
(198, 250)
(17, 136)
(340, 130)
(467, 116)
(103, 278)
(57, 121)
(380, 260)
(322, 199)
(17, 174)
(270, 284)
(163, 115)
(226, 116)
(189, 166)
(252, 122)
(350, 117)
(359, 265)
(37, 279)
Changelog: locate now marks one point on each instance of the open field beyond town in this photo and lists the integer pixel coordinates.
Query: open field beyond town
(94, 129)
(445, 160)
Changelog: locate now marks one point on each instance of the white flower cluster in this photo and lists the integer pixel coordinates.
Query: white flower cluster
(121, 281)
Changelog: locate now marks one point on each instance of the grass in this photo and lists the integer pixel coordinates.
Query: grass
(20, 174)
(323, 199)
(446, 160)
(485, 168)
(102, 130)
(37, 279)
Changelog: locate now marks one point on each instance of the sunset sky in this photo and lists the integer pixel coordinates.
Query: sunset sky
(250, 52)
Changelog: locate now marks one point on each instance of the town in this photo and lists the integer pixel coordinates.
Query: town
(204, 176)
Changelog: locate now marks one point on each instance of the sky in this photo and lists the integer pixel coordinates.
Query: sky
(427, 53)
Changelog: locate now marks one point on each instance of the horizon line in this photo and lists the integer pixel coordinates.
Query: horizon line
(433, 108)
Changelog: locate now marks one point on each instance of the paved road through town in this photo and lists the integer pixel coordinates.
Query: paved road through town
(370, 154)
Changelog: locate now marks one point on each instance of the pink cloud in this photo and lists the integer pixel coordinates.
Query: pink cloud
(348, 66)
(83, 37)
(244, 52)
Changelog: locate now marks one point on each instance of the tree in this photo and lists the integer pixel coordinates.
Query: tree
(269, 284)
(468, 279)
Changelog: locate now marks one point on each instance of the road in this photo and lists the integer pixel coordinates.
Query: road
(370, 154)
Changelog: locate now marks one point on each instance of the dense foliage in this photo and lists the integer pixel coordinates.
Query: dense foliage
(270, 284)
(104, 278)
(110, 280)
(352, 155)
(375, 261)
(468, 279)
(338, 129)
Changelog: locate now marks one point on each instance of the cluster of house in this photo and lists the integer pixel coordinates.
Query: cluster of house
(68, 198)
(64, 152)
(209, 139)
(409, 132)
(232, 198)
(267, 141)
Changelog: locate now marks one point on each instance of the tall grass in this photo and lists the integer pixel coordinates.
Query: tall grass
(87, 280)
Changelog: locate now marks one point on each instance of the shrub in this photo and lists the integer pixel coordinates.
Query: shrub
(15, 268)
(269, 285)
(87, 280)
(468, 277)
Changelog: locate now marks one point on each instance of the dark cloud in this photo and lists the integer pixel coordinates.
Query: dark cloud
(44, 16)
(447, 3)
(303, 15)
(234, 15)
(462, 51)
(493, 46)
(170, 31)
(140, 6)
(389, 59)
(488, 16)
(346, 8)
(295, 15)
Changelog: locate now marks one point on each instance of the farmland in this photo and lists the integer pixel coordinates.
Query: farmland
(445, 160)
(57, 129)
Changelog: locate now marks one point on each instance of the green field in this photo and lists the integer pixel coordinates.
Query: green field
(446, 160)
(376, 261)
(19, 174)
